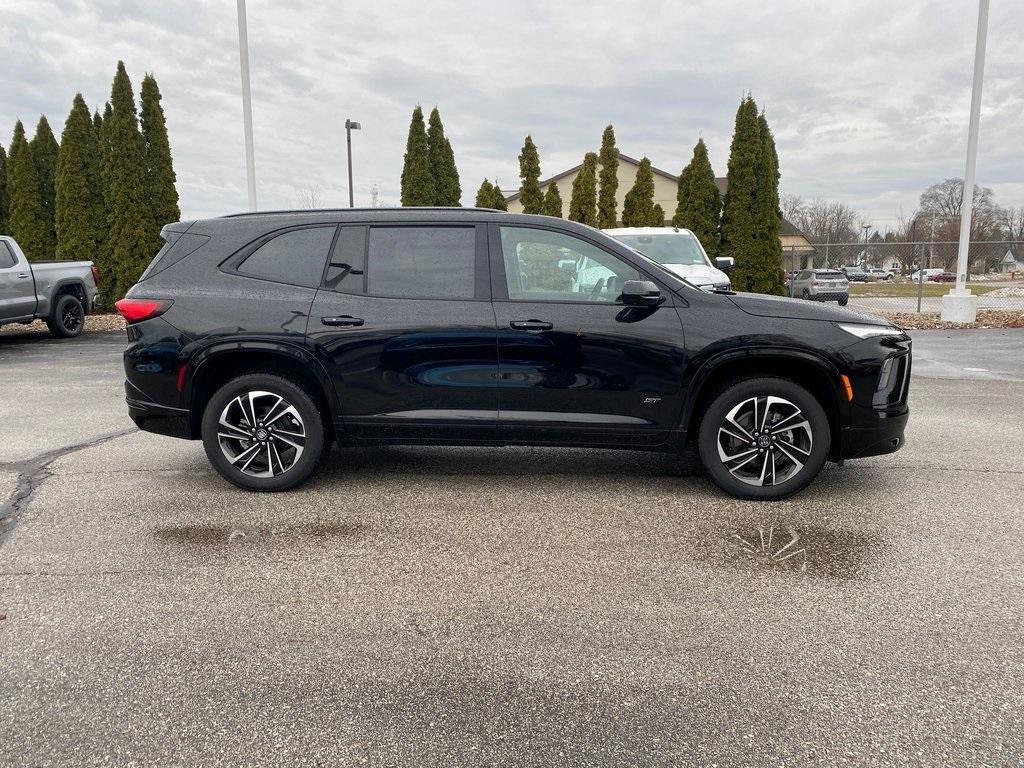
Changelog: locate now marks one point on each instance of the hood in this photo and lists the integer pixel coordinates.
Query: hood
(698, 274)
(798, 309)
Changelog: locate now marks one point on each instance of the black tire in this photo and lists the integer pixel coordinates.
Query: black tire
(309, 421)
(805, 295)
(816, 439)
(67, 318)
(843, 301)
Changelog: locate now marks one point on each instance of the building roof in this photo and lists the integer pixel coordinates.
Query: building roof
(787, 229)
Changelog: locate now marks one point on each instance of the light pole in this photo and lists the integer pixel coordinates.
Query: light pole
(243, 57)
(349, 127)
(866, 227)
(960, 305)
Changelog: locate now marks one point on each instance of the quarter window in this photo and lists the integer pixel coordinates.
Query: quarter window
(6, 256)
(541, 265)
(422, 262)
(296, 257)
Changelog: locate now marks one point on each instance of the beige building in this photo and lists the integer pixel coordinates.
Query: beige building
(797, 253)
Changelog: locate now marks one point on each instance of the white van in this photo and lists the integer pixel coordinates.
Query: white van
(679, 251)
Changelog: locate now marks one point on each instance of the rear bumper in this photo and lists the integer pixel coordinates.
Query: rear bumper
(830, 295)
(159, 419)
(885, 437)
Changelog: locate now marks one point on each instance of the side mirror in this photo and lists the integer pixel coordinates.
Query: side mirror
(725, 263)
(641, 293)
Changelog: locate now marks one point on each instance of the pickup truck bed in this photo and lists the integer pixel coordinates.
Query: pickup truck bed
(60, 292)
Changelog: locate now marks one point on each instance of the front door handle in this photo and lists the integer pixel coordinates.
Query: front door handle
(23, 276)
(344, 321)
(531, 325)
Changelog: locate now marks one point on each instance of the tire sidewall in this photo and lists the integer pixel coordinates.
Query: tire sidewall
(312, 419)
(721, 404)
(56, 320)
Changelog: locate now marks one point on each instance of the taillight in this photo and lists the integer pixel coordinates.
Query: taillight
(96, 275)
(137, 310)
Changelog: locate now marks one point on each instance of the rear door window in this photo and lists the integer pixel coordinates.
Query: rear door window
(7, 259)
(296, 257)
(422, 262)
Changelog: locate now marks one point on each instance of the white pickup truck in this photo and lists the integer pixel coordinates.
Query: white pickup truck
(60, 292)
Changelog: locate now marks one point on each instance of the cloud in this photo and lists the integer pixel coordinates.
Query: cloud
(868, 102)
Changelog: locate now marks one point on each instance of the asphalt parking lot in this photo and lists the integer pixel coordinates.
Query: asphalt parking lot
(504, 606)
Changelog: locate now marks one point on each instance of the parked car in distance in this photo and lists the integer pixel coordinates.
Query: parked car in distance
(820, 285)
(270, 336)
(916, 275)
(856, 274)
(680, 252)
(944, 277)
(60, 292)
(880, 274)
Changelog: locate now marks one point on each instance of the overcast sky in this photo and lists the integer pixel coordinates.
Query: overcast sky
(868, 99)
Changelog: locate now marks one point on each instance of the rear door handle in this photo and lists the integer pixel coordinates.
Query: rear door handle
(23, 276)
(343, 321)
(531, 325)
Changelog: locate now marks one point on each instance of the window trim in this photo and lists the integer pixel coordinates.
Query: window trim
(499, 282)
(231, 264)
(481, 263)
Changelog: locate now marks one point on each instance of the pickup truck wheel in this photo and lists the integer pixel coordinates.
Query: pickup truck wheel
(67, 319)
(263, 432)
(763, 438)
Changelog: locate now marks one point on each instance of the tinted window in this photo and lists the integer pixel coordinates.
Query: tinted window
(346, 271)
(549, 266)
(422, 262)
(6, 256)
(295, 257)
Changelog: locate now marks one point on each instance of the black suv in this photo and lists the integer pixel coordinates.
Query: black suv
(271, 335)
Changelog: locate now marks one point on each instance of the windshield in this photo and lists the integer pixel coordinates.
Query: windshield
(675, 248)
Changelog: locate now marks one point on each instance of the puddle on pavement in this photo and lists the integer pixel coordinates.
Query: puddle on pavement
(805, 550)
(228, 536)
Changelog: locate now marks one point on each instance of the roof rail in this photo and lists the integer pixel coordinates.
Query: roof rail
(313, 211)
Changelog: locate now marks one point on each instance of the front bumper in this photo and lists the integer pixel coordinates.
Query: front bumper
(886, 437)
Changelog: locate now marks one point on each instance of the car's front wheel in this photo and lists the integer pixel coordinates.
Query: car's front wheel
(763, 438)
(263, 432)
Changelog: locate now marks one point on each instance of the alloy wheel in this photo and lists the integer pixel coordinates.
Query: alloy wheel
(764, 440)
(261, 434)
(72, 316)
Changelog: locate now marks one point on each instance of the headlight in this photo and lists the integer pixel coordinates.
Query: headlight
(868, 331)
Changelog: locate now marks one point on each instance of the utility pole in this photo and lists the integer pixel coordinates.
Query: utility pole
(349, 127)
(960, 305)
(243, 56)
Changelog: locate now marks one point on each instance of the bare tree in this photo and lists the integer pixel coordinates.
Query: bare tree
(941, 205)
(828, 221)
(791, 206)
(1012, 221)
(308, 197)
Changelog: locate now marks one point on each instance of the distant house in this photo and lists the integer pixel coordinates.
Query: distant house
(795, 247)
(1012, 262)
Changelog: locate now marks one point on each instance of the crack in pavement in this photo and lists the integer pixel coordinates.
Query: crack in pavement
(33, 472)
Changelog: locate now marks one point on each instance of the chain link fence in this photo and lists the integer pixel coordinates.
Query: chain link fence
(912, 277)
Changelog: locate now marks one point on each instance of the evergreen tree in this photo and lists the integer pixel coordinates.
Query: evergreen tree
(498, 200)
(417, 180)
(638, 207)
(44, 155)
(102, 136)
(741, 237)
(3, 191)
(447, 190)
(529, 171)
(79, 210)
(769, 277)
(552, 201)
(26, 220)
(160, 177)
(608, 180)
(129, 242)
(485, 195)
(657, 216)
(699, 202)
(97, 122)
(583, 201)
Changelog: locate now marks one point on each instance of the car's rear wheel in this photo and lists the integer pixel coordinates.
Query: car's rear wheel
(263, 432)
(763, 438)
(67, 319)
